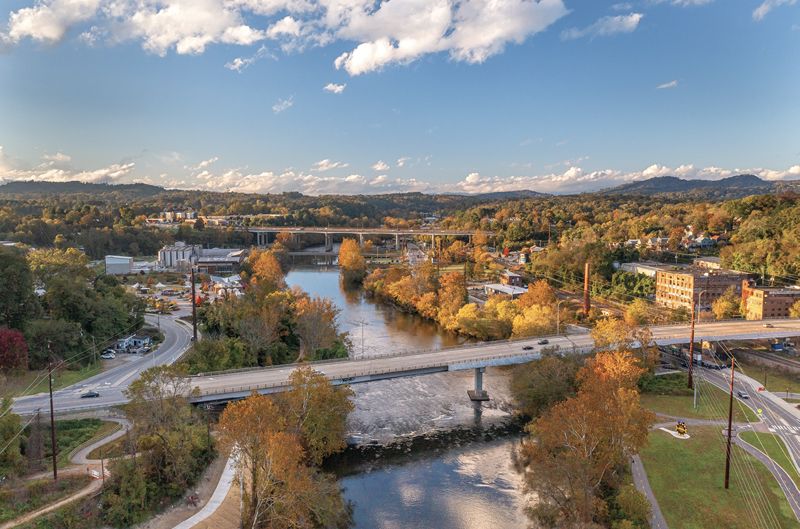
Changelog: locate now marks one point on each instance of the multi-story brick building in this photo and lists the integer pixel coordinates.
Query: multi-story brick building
(684, 287)
(768, 302)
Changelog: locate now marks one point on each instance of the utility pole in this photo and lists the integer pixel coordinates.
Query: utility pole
(53, 444)
(194, 310)
(102, 466)
(586, 302)
(730, 420)
(691, 348)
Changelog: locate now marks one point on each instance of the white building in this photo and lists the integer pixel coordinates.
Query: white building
(504, 290)
(118, 265)
(648, 269)
(178, 255)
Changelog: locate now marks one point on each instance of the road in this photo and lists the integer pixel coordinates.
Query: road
(112, 383)
(470, 356)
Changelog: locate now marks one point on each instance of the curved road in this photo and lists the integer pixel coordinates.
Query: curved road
(111, 384)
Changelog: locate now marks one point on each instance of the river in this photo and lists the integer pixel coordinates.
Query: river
(464, 478)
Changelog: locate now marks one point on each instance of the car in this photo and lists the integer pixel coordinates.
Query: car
(742, 395)
(543, 342)
(768, 325)
(90, 395)
(108, 356)
(527, 347)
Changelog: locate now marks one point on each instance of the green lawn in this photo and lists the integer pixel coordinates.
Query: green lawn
(115, 448)
(774, 447)
(687, 479)
(777, 380)
(712, 403)
(18, 498)
(27, 383)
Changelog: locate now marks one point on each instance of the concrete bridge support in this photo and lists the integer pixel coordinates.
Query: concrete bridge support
(328, 243)
(361, 240)
(478, 394)
(397, 241)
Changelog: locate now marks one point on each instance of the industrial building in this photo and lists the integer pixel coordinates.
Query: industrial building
(119, 265)
(768, 302)
(676, 288)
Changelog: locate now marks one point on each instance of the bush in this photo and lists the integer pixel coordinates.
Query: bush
(672, 384)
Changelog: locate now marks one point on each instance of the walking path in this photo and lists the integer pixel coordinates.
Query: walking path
(212, 515)
(657, 520)
(81, 456)
(90, 489)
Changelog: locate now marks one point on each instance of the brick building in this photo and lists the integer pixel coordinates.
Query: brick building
(768, 302)
(684, 287)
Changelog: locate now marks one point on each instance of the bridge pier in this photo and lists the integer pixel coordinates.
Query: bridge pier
(478, 394)
(328, 243)
(361, 240)
(397, 241)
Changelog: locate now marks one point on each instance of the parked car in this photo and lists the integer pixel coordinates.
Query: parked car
(742, 394)
(768, 325)
(90, 395)
(108, 356)
(527, 347)
(543, 342)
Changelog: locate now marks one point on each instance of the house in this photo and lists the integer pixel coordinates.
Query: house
(510, 278)
(657, 243)
(123, 344)
(141, 341)
(709, 263)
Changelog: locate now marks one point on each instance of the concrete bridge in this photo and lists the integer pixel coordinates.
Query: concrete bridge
(236, 385)
(262, 234)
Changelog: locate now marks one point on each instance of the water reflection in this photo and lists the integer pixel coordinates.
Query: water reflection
(473, 487)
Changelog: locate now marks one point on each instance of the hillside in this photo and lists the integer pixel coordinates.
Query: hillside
(31, 189)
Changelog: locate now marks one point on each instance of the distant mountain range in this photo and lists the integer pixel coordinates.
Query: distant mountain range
(731, 187)
(31, 188)
(726, 188)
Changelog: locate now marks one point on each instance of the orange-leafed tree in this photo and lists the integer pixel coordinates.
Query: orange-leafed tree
(266, 270)
(315, 324)
(351, 262)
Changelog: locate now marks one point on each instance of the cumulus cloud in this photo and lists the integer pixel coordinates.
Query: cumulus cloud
(768, 5)
(327, 165)
(402, 161)
(605, 27)
(383, 32)
(380, 165)
(283, 104)
(203, 164)
(668, 85)
(334, 88)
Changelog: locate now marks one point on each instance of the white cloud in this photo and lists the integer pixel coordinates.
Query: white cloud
(622, 6)
(334, 88)
(768, 5)
(668, 85)
(380, 166)
(384, 32)
(58, 157)
(283, 104)
(327, 165)
(203, 164)
(605, 27)
(402, 161)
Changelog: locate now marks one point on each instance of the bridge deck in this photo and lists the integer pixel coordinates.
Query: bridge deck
(219, 387)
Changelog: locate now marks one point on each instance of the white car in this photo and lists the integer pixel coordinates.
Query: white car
(108, 356)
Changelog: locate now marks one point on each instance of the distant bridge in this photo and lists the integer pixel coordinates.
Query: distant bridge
(262, 234)
(236, 385)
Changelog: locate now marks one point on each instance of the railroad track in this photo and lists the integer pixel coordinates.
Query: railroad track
(775, 359)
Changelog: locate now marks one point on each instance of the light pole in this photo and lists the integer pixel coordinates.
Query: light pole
(558, 316)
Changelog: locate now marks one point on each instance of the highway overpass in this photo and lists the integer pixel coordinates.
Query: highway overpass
(235, 385)
(262, 233)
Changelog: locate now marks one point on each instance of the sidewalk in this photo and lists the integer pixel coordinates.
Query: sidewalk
(657, 520)
(222, 510)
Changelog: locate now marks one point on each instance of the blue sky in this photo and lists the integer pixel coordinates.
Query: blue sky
(428, 95)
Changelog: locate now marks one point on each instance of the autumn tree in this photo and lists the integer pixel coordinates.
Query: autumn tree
(351, 262)
(452, 295)
(316, 411)
(49, 263)
(539, 293)
(638, 312)
(315, 324)
(11, 461)
(539, 384)
(727, 305)
(267, 438)
(535, 320)
(581, 446)
(13, 350)
(794, 310)
(611, 333)
(267, 273)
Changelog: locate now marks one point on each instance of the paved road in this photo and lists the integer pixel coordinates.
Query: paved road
(112, 383)
(475, 355)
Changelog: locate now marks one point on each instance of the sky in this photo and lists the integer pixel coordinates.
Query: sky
(375, 96)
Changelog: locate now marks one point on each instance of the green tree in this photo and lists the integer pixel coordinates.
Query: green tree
(539, 384)
(11, 460)
(794, 310)
(17, 302)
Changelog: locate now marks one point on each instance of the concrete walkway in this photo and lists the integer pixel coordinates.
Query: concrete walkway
(212, 509)
(657, 520)
(90, 489)
(81, 456)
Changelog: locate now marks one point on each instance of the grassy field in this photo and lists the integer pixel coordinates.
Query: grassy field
(778, 381)
(115, 448)
(17, 499)
(71, 434)
(687, 479)
(36, 381)
(712, 403)
(774, 447)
